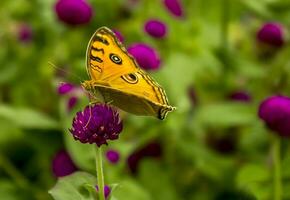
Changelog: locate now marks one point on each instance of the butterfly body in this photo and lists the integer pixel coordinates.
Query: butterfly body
(117, 77)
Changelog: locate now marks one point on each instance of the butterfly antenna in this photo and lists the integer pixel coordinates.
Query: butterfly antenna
(66, 72)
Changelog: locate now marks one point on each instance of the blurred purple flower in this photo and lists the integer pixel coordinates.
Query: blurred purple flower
(73, 12)
(96, 124)
(271, 34)
(146, 56)
(72, 102)
(275, 111)
(65, 88)
(25, 33)
(174, 7)
(113, 156)
(119, 35)
(155, 28)
(62, 164)
(226, 144)
(152, 149)
(240, 96)
(107, 190)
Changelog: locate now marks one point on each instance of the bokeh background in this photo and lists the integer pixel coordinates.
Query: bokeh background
(217, 60)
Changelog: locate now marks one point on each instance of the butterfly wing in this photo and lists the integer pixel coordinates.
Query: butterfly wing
(107, 57)
(117, 77)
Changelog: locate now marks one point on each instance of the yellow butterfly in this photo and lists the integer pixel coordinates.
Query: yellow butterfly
(116, 76)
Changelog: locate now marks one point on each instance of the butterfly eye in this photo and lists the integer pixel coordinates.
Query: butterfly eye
(115, 59)
(130, 78)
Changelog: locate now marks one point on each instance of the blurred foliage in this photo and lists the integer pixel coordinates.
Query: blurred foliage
(212, 49)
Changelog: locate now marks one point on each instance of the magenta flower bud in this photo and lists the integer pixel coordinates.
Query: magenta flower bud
(271, 34)
(119, 35)
(107, 190)
(96, 124)
(155, 28)
(275, 112)
(242, 96)
(25, 33)
(65, 88)
(72, 101)
(62, 164)
(113, 156)
(174, 7)
(73, 12)
(146, 56)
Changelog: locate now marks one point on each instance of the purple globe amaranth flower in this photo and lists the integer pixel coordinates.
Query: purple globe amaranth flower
(275, 111)
(62, 164)
(271, 34)
(107, 190)
(146, 56)
(174, 7)
(155, 28)
(152, 149)
(113, 156)
(119, 35)
(65, 88)
(25, 33)
(73, 12)
(242, 96)
(96, 124)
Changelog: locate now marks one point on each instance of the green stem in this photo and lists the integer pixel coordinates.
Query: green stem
(277, 169)
(100, 174)
(8, 167)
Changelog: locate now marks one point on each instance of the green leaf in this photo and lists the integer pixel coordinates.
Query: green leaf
(255, 178)
(226, 114)
(153, 177)
(27, 118)
(9, 131)
(75, 187)
(129, 190)
(10, 191)
(258, 7)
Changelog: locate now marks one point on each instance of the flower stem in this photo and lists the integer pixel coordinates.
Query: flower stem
(277, 169)
(100, 174)
(225, 12)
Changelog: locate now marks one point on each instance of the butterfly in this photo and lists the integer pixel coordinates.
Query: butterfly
(117, 78)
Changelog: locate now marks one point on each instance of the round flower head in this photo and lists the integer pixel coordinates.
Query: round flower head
(155, 28)
(62, 164)
(73, 12)
(113, 156)
(65, 88)
(242, 96)
(146, 56)
(275, 111)
(107, 190)
(174, 7)
(96, 124)
(119, 35)
(25, 33)
(271, 34)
